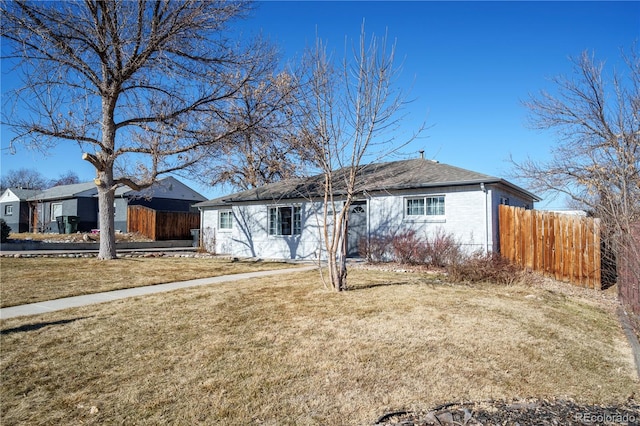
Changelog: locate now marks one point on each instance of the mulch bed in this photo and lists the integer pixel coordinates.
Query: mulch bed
(523, 412)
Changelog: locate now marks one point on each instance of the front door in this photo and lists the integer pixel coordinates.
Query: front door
(357, 228)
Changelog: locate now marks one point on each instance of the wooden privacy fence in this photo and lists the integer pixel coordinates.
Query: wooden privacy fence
(562, 246)
(161, 225)
(629, 273)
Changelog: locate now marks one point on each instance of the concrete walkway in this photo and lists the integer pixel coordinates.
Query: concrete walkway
(89, 299)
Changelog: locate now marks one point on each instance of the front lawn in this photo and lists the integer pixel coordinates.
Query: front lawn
(283, 350)
(30, 280)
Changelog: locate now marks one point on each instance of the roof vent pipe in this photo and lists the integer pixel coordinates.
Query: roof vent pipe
(421, 153)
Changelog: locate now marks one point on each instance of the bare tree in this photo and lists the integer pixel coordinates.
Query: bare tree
(264, 152)
(597, 159)
(141, 86)
(349, 112)
(68, 178)
(23, 178)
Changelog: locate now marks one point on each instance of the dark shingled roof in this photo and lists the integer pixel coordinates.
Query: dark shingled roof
(86, 189)
(23, 194)
(396, 175)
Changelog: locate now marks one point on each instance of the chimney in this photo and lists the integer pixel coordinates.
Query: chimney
(421, 154)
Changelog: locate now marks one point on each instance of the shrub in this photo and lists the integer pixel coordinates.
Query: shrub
(5, 230)
(485, 267)
(441, 249)
(375, 249)
(408, 248)
(208, 240)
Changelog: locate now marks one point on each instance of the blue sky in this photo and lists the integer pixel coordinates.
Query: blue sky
(468, 66)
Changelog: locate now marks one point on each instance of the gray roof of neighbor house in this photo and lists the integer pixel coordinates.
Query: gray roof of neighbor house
(168, 187)
(86, 189)
(24, 194)
(396, 175)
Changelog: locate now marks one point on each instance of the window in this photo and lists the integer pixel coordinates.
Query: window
(429, 206)
(8, 210)
(415, 207)
(435, 206)
(285, 220)
(225, 219)
(56, 210)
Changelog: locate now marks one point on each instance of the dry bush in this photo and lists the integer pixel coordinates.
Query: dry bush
(441, 249)
(487, 267)
(408, 248)
(5, 230)
(208, 240)
(375, 249)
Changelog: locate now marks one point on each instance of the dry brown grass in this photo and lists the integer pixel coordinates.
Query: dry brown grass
(30, 280)
(282, 350)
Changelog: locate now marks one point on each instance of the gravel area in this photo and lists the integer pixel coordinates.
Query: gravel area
(523, 412)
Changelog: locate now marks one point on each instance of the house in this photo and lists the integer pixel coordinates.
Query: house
(14, 208)
(81, 201)
(284, 219)
(77, 200)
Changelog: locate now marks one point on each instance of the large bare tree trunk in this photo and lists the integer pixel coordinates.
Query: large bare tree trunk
(106, 199)
(104, 180)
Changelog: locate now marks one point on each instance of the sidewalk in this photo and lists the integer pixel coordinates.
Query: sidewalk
(89, 299)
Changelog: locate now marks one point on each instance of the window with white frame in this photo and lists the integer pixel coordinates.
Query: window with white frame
(286, 220)
(225, 219)
(56, 210)
(8, 210)
(424, 206)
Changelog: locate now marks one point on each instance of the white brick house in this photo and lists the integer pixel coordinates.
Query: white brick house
(284, 220)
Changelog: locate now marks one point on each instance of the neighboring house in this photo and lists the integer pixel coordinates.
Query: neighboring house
(168, 194)
(81, 200)
(14, 208)
(77, 199)
(284, 219)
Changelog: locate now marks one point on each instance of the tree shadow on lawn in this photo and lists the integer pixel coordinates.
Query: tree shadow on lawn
(38, 326)
(368, 286)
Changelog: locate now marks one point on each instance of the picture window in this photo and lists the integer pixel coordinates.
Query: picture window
(285, 220)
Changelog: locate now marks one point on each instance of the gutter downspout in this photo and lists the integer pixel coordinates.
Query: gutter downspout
(201, 230)
(486, 218)
(368, 227)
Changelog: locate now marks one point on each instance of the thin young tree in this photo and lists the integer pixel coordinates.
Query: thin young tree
(348, 113)
(142, 87)
(596, 162)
